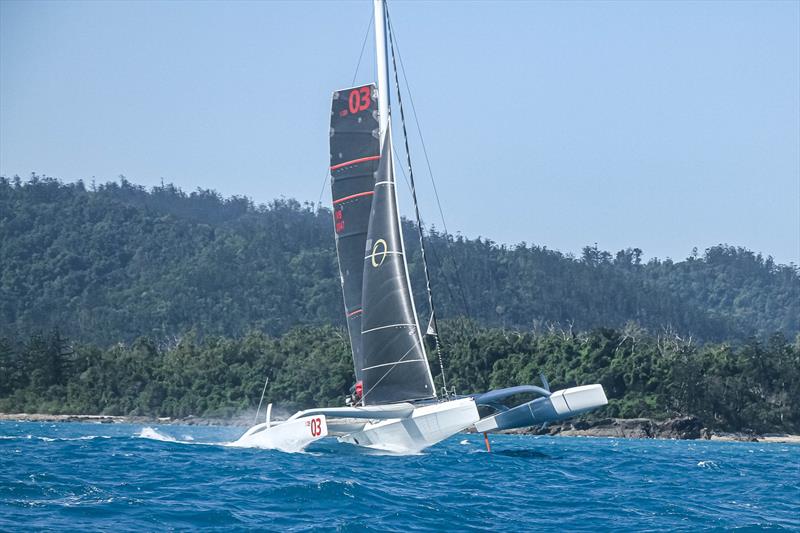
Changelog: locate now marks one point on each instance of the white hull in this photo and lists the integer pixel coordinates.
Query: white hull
(425, 427)
(403, 428)
(416, 429)
(289, 436)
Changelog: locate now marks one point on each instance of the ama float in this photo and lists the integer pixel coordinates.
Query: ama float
(395, 406)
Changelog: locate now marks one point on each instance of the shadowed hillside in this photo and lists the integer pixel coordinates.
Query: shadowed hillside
(115, 262)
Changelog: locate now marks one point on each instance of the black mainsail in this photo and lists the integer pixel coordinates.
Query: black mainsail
(395, 365)
(355, 146)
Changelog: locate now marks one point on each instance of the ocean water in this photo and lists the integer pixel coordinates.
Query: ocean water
(124, 477)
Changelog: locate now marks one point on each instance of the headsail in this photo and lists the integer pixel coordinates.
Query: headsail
(355, 150)
(395, 365)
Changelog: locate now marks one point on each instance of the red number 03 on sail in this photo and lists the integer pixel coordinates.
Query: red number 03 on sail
(358, 99)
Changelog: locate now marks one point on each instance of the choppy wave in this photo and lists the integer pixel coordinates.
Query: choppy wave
(52, 439)
(156, 435)
(153, 434)
(120, 477)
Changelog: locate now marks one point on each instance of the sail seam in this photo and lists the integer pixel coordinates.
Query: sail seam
(364, 397)
(395, 363)
(347, 177)
(363, 331)
(371, 256)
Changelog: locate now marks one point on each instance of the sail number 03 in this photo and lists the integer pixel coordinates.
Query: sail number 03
(316, 427)
(359, 99)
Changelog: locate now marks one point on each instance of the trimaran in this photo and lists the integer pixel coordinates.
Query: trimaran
(395, 407)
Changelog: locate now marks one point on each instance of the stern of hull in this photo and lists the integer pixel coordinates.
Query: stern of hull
(427, 426)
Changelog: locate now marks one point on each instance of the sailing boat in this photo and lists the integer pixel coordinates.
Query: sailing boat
(395, 407)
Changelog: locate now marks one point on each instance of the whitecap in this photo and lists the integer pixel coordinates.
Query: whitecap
(60, 439)
(152, 434)
(707, 464)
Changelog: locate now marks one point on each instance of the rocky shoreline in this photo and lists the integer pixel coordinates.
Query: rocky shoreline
(681, 428)
(131, 419)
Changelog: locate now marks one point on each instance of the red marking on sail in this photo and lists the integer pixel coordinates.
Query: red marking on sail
(339, 217)
(340, 200)
(354, 313)
(354, 161)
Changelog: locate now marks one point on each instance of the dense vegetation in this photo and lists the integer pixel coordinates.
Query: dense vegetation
(124, 273)
(114, 262)
(755, 385)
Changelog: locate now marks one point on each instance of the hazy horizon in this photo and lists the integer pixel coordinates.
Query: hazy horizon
(662, 126)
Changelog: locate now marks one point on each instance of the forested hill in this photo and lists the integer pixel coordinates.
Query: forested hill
(114, 262)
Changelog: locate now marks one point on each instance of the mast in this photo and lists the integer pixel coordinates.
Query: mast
(382, 64)
(396, 363)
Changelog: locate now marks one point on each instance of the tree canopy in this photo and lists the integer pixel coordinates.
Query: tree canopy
(120, 300)
(753, 385)
(115, 261)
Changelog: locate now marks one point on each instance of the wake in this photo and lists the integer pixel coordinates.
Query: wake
(153, 434)
(320, 448)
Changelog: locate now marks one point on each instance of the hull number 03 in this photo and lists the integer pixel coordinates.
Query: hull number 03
(316, 427)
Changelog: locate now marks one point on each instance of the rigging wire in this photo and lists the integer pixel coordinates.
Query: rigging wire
(421, 138)
(432, 325)
(363, 46)
(431, 250)
(449, 282)
(322, 189)
(263, 392)
(448, 285)
(403, 172)
(355, 75)
(448, 244)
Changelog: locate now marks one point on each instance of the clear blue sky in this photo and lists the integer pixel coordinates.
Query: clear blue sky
(662, 126)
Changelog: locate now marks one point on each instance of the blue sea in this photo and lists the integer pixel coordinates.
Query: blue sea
(71, 476)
